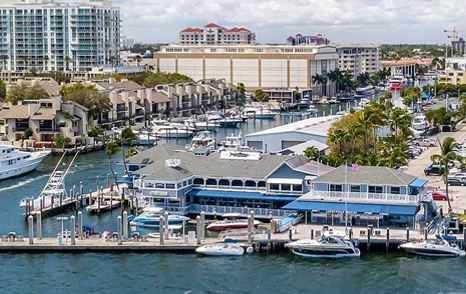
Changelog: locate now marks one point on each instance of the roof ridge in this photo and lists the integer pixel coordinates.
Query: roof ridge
(393, 173)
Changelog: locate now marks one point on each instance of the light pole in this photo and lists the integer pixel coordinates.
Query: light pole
(63, 219)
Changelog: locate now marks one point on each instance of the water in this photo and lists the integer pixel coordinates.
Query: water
(186, 273)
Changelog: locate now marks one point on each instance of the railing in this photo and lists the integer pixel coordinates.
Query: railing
(262, 212)
(178, 210)
(48, 130)
(285, 226)
(371, 197)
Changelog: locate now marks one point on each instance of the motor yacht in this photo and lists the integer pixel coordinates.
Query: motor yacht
(221, 249)
(172, 131)
(397, 82)
(326, 246)
(232, 141)
(434, 248)
(365, 91)
(150, 217)
(258, 113)
(203, 139)
(231, 222)
(312, 109)
(14, 163)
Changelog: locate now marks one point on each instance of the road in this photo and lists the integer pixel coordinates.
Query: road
(416, 168)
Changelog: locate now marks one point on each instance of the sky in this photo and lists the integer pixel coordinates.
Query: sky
(342, 21)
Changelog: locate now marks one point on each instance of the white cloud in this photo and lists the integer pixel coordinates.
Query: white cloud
(272, 20)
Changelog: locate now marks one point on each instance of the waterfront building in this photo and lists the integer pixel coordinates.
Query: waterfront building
(455, 71)
(288, 135)
(46, 118)
(359, 59)
(299, 39)
(288, 95)
(48, 35)
(256, 66)
(458, 46)
(219, 182)
(213, 34)
(405, 67)
(370, 195)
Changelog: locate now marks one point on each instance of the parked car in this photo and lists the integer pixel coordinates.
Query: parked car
(434, 169)
(415, 151)
(439, 196)
(457, 179)
(426, 143)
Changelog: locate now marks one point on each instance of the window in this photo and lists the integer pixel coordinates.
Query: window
(250, 183)
(170, 186)
(337, 188)
(395, 190)
(298, 188)
(275, 187)
(224, 182)
(355, 188)
(375, 189)
(237, 183)
(159, 186)
(198, 181)
(211, 182)
(286, 187)
(261, 184)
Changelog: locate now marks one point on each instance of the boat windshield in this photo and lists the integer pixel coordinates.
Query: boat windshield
(327, 240)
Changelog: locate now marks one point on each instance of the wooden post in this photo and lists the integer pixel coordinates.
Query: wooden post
(407, 234)
(312, 233)
(425, 233)
(369, 239)
(89, 201)
(31, 229)
(81, 193)
(387, 244)
(198, 229)
(73, 230)
(39, 225)
(161, 230)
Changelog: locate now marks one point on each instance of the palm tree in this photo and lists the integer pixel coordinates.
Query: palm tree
(312, 153)
(400, 120)
(320, 80)
(336, 76)
(366, 121)
(126, 138)
(338, 137)
(112, 149)
(354, 132)
(446, 154)
(396, 158)
(68, 60)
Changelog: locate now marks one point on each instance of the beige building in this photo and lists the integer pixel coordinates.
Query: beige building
(256, 66)
(359, 59)
(213, 34)
(455, 72)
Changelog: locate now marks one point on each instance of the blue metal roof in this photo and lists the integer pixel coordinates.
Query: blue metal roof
(418, 183)
(301, 205)
(239, 195)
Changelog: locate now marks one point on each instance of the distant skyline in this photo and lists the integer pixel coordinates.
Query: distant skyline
(342, 21)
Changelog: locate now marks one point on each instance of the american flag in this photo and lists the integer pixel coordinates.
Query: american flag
(351, 167)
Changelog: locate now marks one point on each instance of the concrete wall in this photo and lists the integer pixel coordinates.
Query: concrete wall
(273, 142)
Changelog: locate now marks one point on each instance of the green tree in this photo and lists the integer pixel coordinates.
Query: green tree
(112, 149)
(400, 120)
(241, 92)
(21, 92)
(87, 96)
(312, 153)
(446, 154)
(261, 96)
(338, 137)
(2, 91)
(154, 79)
(60, 141)
(27, 133)
(126, 138)
(321, 80)
(395, 157)
(35, 92)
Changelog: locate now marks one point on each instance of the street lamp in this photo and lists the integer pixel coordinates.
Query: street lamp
(63, 219)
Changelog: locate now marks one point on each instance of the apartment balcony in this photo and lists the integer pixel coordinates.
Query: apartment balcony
(366, 197)
(48, 130)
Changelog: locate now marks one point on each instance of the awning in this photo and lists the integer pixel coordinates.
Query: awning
(418, 183)
(301, 205)
(285, 181)
(239, 195)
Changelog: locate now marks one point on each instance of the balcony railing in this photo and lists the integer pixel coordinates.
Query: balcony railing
(364, 196)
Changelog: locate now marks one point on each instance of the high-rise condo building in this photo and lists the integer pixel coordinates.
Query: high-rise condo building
(213, 34)
(54, 35)
(359, 59)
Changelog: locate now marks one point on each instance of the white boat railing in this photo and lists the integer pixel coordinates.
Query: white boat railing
(215, 209)
(365, 196)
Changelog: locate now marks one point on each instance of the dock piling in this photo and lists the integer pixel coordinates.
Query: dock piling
(312, 233)
(39, 225)
(198, 229)
(73, 230)
(387, 242)
(119, 230)
(31, 229)
(81, 193)
(407, 234)
(425, 233)
(202, 232)
(369, 232)
(250, 228)
(125, 225)
(166, 229)
(80, 224)
(161, 230)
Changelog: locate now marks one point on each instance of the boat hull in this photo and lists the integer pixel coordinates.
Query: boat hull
(22, 170)
(219, 251)
(102, 208)
(433, 253)
(332, 254)
(155, 222)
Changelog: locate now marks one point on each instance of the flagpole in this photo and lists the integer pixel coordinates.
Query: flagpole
(347, 190)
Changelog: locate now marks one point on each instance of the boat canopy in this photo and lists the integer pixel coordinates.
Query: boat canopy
(418, 183)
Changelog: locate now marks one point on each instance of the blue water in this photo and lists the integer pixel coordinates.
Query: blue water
(188, 273)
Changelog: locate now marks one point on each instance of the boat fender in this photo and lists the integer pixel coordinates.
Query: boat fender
(356, 243)
(130, 217)
(230, 240)
(250, 250)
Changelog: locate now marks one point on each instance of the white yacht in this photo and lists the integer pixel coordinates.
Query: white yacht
(14, 162)
(327, 246)
(397, 82)
(202, 140)
(232, 141)
(172, 131)
(221, 249)
(365, 91)
(258, 113)
(312, 109)
(434, 248)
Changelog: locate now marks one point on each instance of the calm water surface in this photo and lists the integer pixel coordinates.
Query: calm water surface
(187, 273)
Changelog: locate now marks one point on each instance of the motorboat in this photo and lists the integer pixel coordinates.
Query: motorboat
(150, 217)
(326, 246)
(312, 109)
(203, 139)
(365, 91)
(258, 113)
(221, 249)
(172, 131)
(397, 82)
(14, 163)
(104, 206)
(434, 248)
(231, 222)
(364, 102)
(232, 141)
(201, 125)
(145, 138)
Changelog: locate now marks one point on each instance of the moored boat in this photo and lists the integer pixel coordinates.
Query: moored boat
(433, 248)
(104, 206)
(14, 163)
(150, 217)
(327, 246)
(231, 222)
(221, 249)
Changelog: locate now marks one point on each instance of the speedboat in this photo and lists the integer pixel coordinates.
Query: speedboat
(327, 246)
(203, 139)
(145, 138)
(103, 207)
(201, 125)
(221, 249)
(258, 113)
(150, 217)
(14, 163)
(231, 222)
(312, 109)
(172, 131)
(434, 248)
(365, 91)
(232, 141)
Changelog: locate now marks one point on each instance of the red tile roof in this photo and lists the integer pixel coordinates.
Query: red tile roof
(192, 30)
(213, 25)
(235, 30)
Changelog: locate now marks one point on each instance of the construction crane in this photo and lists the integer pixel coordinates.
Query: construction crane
(452, 34)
